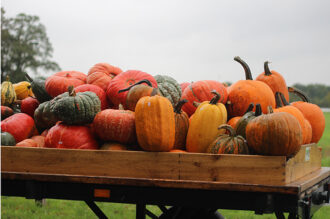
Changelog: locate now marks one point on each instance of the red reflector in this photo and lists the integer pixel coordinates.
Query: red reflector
(102, 193)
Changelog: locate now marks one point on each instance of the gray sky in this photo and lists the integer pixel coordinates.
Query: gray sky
(189, 40)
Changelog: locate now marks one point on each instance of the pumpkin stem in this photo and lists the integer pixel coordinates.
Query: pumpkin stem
(278, 100)
(299, 93)
(137, 83)
(270, 110)
(177, 108)
(121, 107)
(248, 74)
(266, 67)
(71, 91)
(232, 132)
(7, 78)
(28, 77)
(250, 108)
(216, 98)
(258, 110)
(196, 104)
(284, 101)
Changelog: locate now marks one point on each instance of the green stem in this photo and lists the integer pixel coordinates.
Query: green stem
(247, 70)
(266, 67)
(137, 83)
(284, 101)
(299, 93)
(278, 100)
(258, 110)
(250, 108)
(232, 132)
(216, 98)
(28, 77)
(71, 91)
(178, 107)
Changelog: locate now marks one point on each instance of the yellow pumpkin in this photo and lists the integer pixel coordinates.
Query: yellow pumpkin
(23, 90)
(154, 123)
(203, 127)
(8, 95)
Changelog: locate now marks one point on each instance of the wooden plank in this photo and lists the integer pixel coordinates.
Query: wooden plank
(306, 161)
(254, 169)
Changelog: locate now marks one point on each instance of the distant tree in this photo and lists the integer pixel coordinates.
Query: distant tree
(24, 46)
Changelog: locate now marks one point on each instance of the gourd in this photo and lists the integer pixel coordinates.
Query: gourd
(38, 89)
(97, 90)
(233, 121)
(181, 125)
(169, 88)
(7, 139)
(28, 105)
(43, 117)
(245, 119)
(8, 95)
(23, 90)
(6, 112)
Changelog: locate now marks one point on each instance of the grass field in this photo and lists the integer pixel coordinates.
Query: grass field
(17, 207)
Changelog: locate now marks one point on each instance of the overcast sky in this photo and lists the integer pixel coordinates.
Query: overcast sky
(188, 40)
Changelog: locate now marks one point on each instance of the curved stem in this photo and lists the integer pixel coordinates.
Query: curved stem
(71, 91)
(232, 132)
(28, 77)
(258, 110)
(250, 108)
(247, 70)
(278, 100)
(284, 101)
(137, 83)
(196, 104)
(270, 110)
(299, 93)
(266, 68)
(216, 98)
(178, 107)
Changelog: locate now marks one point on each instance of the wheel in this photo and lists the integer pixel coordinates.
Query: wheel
(190, 213)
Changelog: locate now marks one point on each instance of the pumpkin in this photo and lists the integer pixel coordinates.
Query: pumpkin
(38, 89)
(246, 118)
(204, 123)
(59, 82)
(75, 108)
(8, 95)
(169, 88)
(40, 140)
(7, 139)
(312, 113)
(233, 121)
(115, 125)
(201, 91)
(70, 137)
(44, 133)
(283, 106)
(177, 151)
(122, 81)
(277, 134)
(27, 143)
(244, 92)
(274, 80)
(43, 117)
(136, 91)
(6, 112)
(184, 85)
(181, 125)
(228, 143)
(113, 146)
(101, 74)
(155, 123)
(29, 105)
(19, 125)
(97, 90)
(23, 90)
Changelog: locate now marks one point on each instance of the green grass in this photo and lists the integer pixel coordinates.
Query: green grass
(17, 207)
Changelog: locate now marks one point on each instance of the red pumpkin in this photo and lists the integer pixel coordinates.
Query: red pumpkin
(184, 85)
(201, 91)
(101, 74)
(97, 90)
(29, 105)
(6, 111)
(40, 140)
(124, 80)
(70, 137)
(27, 143)
(59, 82)
(20, 126)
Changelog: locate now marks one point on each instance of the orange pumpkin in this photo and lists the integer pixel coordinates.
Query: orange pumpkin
(181, 125)
(27, 143)
(113, 146)
(40, 140)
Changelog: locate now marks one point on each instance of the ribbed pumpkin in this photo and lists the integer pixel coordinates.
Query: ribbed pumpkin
(38, 89)
(169, 88)
(202, 131)
(29, 105)
(136, 91)
(7, 139)
(124, 80)
(6, 112)
(283, 106)
(274, 80)
(244, 92)
(201, 91)
(155, 123)
(71, 137)
(181, 125)
(27, 143)
(23, 90)
(97, 90)
(312, 113)
(246, 118)
(59, 82)
(184, 85)
(8, 95)
(228, 143)
(75, 108)
(19, 125)
(43, 117)
(113, 146)
(115, 125)
(101, 74)
(277, 134)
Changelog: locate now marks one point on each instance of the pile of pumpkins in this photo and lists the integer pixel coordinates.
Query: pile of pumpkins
(115, 110)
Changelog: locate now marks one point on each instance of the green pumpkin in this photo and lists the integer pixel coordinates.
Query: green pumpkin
(246, 118)
(76, 108)
(7, 139)
(38, 89)
(43, 118)
(169, 88)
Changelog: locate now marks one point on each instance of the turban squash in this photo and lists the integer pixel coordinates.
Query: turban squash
(169, 88)
(97, 90)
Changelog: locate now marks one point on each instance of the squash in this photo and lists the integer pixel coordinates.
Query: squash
(27, 143)
(43, 117)
(228, 143)
(244, 92)
(204, 123)
(8, 95)
(113, 146)
(274, 133)
(246, 118)
(181, 125)
(7, 139)
(184, 85)
(28, 105)
(169, 88)
(6, 112)
(38, 89)
(40, 140)
(23, 90)
(97, 90)
(155, 123)
(311, 112)
(233, 121)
